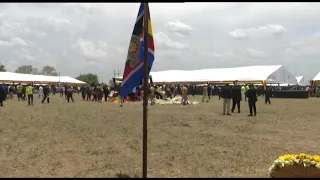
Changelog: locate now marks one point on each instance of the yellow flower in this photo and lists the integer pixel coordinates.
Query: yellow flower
(292, 159)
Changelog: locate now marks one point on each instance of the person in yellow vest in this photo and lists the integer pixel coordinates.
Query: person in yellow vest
(246, 91)
(29, 93)
(19, 91)
(205, 93)
(243, 92)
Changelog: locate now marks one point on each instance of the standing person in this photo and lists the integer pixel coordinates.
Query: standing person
(46, 92)
(194, 88)
(121, 99)
(11, 89)
(175, 91)
(226, 94)
(78, 89)
(69, 94)
(252, 99)
(99, 93)
(83, 92)
(61, 91)
(94, 93)
(184, 93)
(65, 91)
(267, 95)
(246, 92)
(89, 92)
(19, 91)
(209, 91)
(168, 92)
(3, 93)
(236, 97)
(29, 93)
(106, 93)
(40, 91)
(151, 95)
(243, 92)
(24, 93)
(219, 92)
(205, 93)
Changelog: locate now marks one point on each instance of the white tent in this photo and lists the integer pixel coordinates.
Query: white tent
(300, 79)
(25, 78)
(316, 79)
(301, 82)
(270, 74)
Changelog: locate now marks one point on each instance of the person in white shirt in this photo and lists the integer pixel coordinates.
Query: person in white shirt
(40, 92)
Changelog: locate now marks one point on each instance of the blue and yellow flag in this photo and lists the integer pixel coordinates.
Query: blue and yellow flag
(133, 71)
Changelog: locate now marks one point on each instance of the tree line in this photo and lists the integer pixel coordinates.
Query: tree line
(89, 78)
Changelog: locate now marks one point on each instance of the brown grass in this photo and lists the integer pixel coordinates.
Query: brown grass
(86, 139)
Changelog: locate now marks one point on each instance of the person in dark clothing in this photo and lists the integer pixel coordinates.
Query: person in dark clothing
(226, 94)
(194, 89)
(65, 91)
(11, 89)
(219, 92)
(106, 93)
(69, 94)
(61, 91)
(252, 99)
(89, 92)
(24, 93)
(99, 93)
(267, 95)
(236, 97)
(53, 88)
(94, 93)
(209, 91)
(3, 93)
(83, 92)
(46, 92)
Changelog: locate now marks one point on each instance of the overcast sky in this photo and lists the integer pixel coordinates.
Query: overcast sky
(80, 38)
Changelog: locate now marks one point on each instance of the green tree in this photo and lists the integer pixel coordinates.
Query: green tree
(27, 69)
(2, 68)
(88, 78)
(49, 71)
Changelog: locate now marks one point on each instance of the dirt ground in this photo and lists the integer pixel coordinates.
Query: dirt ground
(87, 139)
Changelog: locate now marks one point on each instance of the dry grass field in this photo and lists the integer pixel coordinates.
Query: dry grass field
(87, 139)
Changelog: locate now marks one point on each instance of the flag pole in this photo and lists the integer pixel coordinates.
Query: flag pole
(145, 93)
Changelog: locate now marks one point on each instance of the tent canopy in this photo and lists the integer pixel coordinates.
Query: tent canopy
(25, 78)
(317, 77)
(269, 73)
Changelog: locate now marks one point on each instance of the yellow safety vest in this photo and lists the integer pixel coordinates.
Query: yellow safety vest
(247, 88)
(243, 89)
(19, 88)
(28, 90)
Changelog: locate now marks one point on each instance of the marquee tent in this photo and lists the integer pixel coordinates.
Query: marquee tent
(316, 79)
(10, 77)
(253, 74)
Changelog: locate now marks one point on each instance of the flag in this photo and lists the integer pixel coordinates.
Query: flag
(133, 70)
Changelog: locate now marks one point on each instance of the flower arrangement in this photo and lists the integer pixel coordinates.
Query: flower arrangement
(296, 165)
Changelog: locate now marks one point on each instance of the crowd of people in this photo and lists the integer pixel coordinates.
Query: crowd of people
(27, 92)
(234, 94)
(98, 93)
